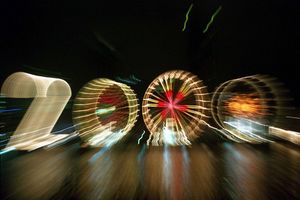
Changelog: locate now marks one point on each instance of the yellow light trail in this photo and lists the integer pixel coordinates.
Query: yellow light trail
(187, 17)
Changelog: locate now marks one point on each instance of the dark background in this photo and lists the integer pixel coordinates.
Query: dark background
(82, 40)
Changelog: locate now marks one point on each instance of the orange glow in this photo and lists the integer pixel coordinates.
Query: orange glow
(246, 106)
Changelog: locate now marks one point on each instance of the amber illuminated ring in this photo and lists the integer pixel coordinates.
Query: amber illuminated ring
(263, 86)
(104, 111)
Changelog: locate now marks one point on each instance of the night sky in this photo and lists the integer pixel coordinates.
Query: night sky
(79, 41)
(82, 40)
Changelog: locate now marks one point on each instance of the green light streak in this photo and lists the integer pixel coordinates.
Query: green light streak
(105, 110)
(212, 18)
(125, 80)
(187, 17)
(135, 78)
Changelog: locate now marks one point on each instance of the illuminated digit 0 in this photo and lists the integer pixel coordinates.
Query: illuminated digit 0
(104, 111)
(174, 108)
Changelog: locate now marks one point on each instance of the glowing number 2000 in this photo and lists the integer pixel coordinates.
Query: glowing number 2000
(104, 110)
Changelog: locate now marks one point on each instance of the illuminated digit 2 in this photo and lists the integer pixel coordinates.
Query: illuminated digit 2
(50, 97)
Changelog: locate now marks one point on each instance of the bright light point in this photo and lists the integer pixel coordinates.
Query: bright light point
(169, 137)
(102, 111)
(246, 105)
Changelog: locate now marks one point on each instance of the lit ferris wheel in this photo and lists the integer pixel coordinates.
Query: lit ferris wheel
(245, 107)
(104, 111)
(174, 108)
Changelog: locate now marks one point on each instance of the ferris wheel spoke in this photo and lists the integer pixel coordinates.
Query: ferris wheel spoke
(192, 106)
(191, 116)
(157, 119)
(164, 87)
(182, 122)
(195, 112)
(152, 105)
(167, 84)
(179, 96)
(157, 97)
(185, 118)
